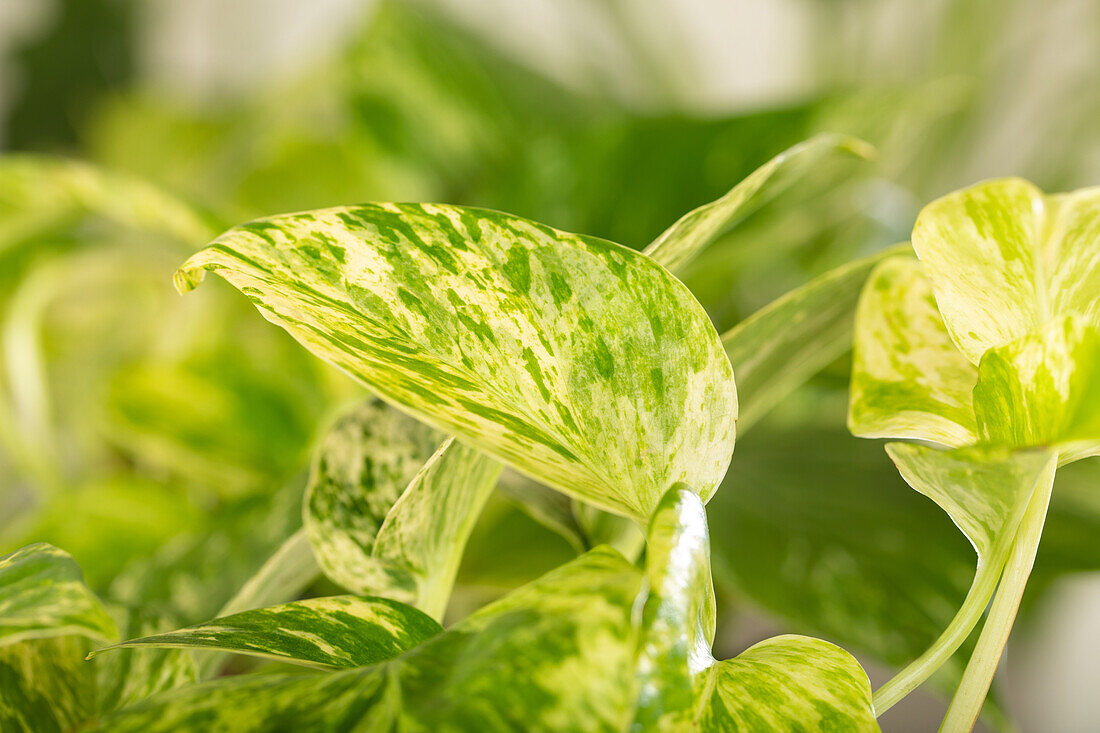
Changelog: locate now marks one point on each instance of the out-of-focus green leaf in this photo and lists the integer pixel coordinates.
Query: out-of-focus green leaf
(908, 378)
(985, 492)
(553, 655)
(386, 521)
(779, 347)
(336, 631)
(45, 685)
(506, 333)
(42, 594)
(680, 243)
(1043, 389)
(1004, 259)
(550, 508)
(38, 192)
(786, 683)
(678, 615)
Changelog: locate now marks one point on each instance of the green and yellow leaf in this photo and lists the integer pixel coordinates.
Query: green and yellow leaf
(554, 655)
(332, 632)
(908, 378)
(1005, 259)
(577, 361)
(45, 685)
(42, 594)
(1043, 389)
(388, 513)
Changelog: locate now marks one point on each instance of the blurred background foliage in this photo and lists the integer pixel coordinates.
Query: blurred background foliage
(168, 457)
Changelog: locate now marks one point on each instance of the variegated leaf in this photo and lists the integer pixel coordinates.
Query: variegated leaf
(45, 686)
(786, 683)
(554, 655)
(680, 243)
(42, 594)
(580, 362)
(985, 491)
(678, 615)
(1043, 389)
(282, 578)
(361, 466)
(779, 347)
(376, 535)
(1004, 259)
(908, 378)
(338, 631)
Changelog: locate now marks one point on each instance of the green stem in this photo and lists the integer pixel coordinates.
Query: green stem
(921, 668)
(969, 697)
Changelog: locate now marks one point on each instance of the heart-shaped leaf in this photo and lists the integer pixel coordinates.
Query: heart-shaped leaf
(42, 594)
(579, 362)
(785, 683)
(337, 631)
(1005, 259)
(908, 378)
(388, 509)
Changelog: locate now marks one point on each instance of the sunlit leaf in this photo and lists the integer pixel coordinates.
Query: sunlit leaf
(336, 631)
(42, 594)
(786, 683)
(908, 378)
(678, 615)
(581, 363)
(1043, 389)
(1004, 259)
(553, 655)
(389, 510)
(681, 242)
(779, 347)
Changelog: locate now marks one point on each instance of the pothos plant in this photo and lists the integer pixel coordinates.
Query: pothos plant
(592, 373)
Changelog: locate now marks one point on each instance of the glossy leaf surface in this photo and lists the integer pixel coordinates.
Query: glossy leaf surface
(42, 594)
(579, 362)
(553, 655)
(1005, 259)
(908, 378)
(680, 243)
(337, 631)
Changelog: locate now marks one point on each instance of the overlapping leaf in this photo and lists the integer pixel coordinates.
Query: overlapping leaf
(784, 683)
(337, 631)
(1043, 389)
(1005, 259)
(42, 594)
(554, 655)
(579, 362)
(680, 243)
(45, 685)
(388, 512)
(908, 378)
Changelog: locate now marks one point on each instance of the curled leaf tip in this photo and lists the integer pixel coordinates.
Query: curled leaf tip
(187, 278)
